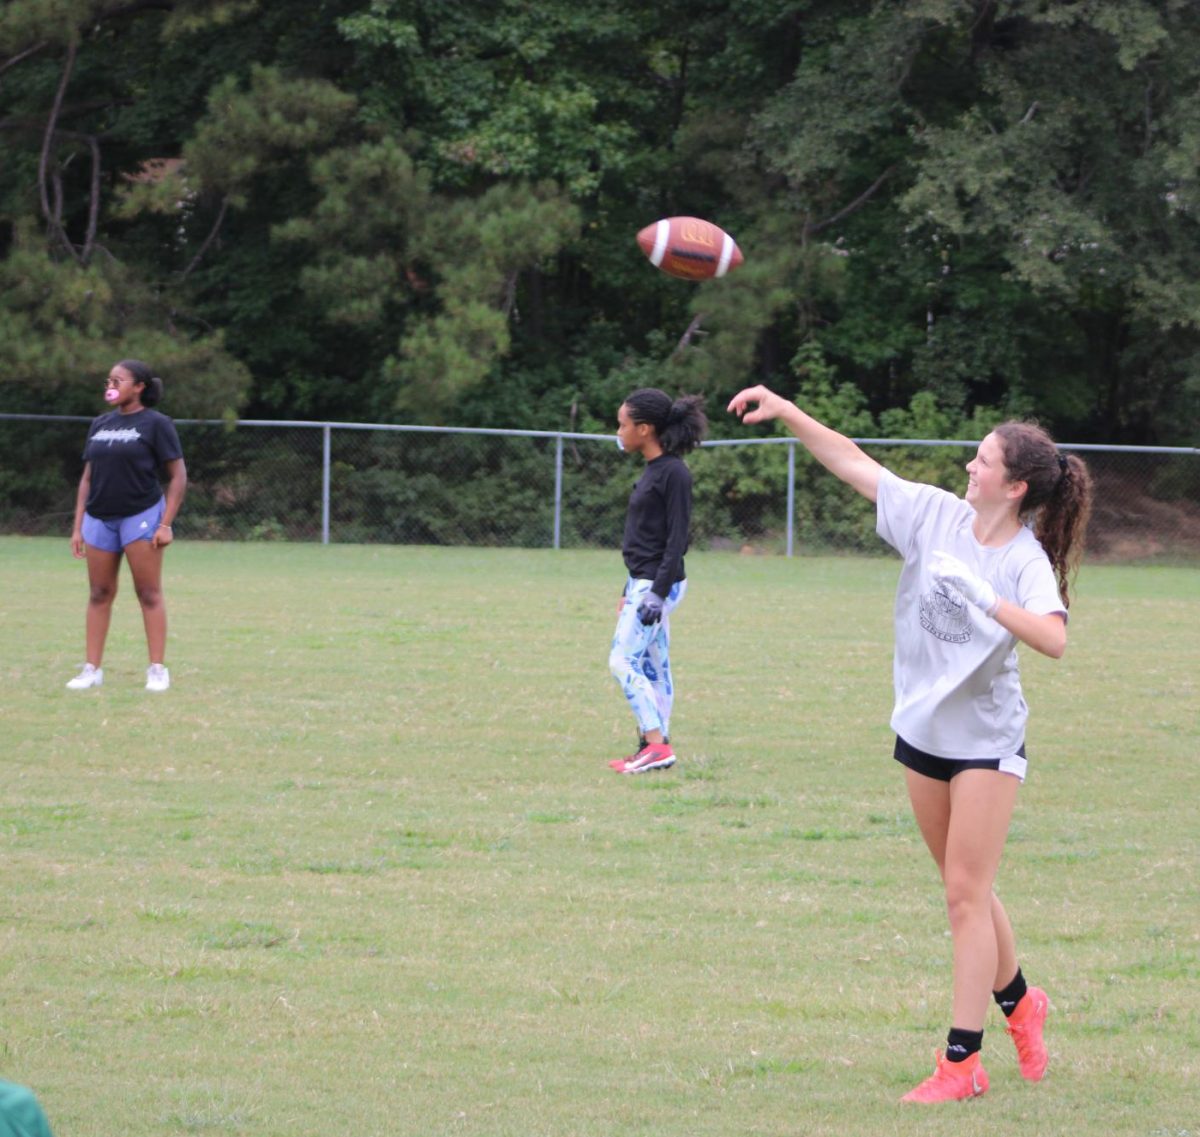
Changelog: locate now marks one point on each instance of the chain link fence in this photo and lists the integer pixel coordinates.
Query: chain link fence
(346, 482)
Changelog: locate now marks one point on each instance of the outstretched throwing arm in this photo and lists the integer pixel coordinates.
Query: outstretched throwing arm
(837, 453)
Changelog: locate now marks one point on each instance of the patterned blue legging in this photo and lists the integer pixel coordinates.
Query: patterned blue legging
(639, 659)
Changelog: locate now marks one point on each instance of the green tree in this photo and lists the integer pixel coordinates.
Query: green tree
(405, 207)
(70, 303)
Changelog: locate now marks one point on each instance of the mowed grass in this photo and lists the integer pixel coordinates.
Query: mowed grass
(364, 869)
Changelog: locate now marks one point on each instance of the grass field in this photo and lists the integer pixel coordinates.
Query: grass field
(364, 869)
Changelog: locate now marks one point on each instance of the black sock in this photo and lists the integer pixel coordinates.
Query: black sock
(961, 1044)
(1010, 996)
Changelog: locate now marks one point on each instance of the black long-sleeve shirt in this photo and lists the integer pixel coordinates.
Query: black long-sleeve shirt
(656, 526)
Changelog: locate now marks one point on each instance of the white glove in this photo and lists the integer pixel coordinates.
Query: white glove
(950, 570)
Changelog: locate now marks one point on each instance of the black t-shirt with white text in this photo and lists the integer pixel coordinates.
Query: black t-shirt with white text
(656, 526)
(126, 454)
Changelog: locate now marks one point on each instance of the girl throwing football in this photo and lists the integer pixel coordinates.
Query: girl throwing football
(976, 580)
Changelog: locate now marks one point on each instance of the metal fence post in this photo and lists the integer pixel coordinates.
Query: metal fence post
(326, 431)
(791, 494)
(558, 485)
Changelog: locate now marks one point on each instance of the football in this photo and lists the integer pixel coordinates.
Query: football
(689, 248)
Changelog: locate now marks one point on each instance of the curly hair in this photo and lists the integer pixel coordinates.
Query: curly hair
(680, 423)
(1058, 500)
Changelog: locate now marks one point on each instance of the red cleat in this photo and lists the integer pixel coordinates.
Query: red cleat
(652, 756)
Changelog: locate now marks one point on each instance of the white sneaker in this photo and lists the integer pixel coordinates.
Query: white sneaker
(89, 677)
(158, 678)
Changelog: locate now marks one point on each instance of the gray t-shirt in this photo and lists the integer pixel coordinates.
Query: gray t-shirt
(958, 688)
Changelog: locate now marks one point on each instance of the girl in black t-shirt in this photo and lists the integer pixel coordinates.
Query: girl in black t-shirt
(649, 423)
(121, 509)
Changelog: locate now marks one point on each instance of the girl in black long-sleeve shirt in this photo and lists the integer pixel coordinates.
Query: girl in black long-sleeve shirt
(649, 423)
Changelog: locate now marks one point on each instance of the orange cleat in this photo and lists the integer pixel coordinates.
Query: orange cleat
(1025, 1025)
(951, 1081)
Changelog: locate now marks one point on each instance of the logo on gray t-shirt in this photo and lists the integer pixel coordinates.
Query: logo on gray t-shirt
(944, 614)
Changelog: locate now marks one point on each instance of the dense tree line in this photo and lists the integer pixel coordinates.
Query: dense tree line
(425, 209)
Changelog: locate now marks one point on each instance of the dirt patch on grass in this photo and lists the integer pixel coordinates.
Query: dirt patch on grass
(1129, 524)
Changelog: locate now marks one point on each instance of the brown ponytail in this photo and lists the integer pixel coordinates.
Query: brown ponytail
(1058, 498)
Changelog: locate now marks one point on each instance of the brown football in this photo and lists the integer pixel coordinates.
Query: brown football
(689, 248)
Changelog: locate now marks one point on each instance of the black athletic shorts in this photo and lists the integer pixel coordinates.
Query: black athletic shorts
(945, 768)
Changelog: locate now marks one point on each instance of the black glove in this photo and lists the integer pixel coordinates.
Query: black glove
(650, 609)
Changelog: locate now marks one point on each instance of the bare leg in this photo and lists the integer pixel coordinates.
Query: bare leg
(1006, 946)
(145, 563)
(103, 568)
(965, 824)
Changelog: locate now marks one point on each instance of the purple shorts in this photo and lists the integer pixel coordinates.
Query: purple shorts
(113, 536)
